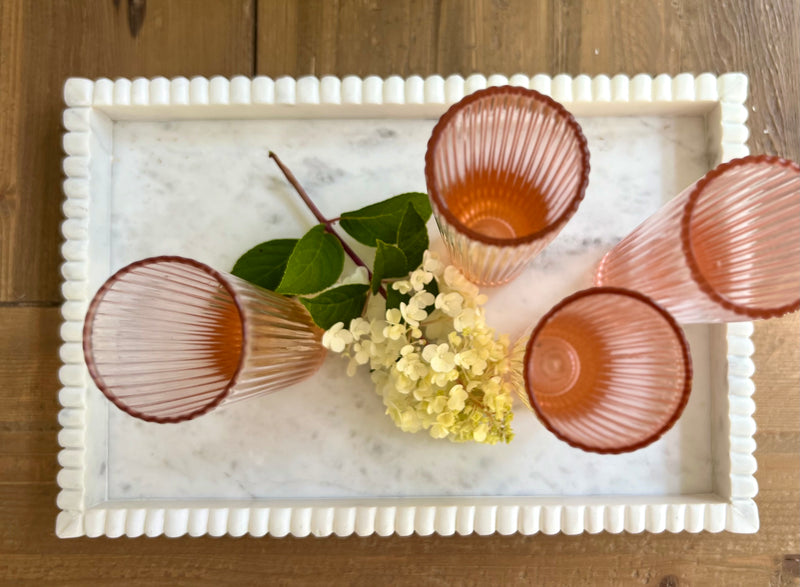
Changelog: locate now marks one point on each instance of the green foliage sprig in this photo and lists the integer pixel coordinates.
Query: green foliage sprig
(308, 267)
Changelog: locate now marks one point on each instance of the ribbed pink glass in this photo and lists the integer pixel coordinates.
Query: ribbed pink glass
(607, 370)
(726, 249)
(168, 339)
(505, 169)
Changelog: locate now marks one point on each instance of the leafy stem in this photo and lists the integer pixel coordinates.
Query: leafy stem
(318, 215)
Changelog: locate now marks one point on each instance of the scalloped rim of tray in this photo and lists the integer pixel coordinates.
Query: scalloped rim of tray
(721, 97)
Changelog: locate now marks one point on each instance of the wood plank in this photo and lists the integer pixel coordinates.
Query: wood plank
(777, 360)
(613, 36)
(29, 369)
(11, 67)
(29, 394)
(407, 37)
(43, 43)
(427, 570)
(777, 380)
(761, 39)
(28, 457)
(344, 37)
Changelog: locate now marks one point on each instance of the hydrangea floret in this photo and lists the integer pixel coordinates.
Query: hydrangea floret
(433, 359)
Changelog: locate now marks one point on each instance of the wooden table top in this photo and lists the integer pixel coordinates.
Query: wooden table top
(42, 42)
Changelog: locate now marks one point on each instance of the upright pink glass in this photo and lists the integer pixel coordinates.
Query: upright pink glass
(168, 339)
(607, 370)
(726, 249)
(505, 169)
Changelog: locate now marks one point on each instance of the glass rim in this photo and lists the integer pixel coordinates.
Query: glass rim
(89, 323)
(444, 121)
(679, 335)
(752, 312)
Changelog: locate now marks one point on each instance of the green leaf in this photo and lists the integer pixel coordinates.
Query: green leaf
(412, 237)
(263, 265)
(433, 287)
(316, 262)
(381, 221)
(340, 304)
(390, 261)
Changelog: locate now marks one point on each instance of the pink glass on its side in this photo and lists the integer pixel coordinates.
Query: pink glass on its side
(607, 370)
(168, 339)
(726, 249)
(505, 169)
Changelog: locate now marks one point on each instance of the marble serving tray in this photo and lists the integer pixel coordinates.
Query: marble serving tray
(180, 167)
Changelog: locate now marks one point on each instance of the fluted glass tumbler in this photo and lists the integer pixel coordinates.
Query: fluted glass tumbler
(167, 339)
(505, 170)
(726, 249)
(607, 370)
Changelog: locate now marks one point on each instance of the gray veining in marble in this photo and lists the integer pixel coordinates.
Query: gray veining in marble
(207, 190)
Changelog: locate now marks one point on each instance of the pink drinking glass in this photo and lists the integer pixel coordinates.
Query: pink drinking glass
(168, 339)
(607, 370)
(505, 169)
(726, 249)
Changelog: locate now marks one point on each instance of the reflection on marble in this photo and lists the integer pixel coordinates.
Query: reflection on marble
(207, 190)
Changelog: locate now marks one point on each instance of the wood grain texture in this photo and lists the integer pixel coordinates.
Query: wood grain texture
(11, 65)
(29, 350)
(426, 37)
(301, 37)
(761, 39)
(43, 43)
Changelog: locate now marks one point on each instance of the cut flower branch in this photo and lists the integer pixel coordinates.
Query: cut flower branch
(430, 354)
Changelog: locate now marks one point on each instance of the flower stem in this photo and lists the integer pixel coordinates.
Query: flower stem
(318, 215)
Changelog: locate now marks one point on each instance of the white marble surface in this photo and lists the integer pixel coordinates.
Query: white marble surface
(207, 190)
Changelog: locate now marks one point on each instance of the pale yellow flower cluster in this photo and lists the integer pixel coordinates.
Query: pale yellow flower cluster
(435, 362)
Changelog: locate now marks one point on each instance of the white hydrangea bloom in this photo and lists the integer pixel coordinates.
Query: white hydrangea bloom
(439, 431)
(455, 340)
(424, 392)
(431, 263)
(440, 357)
(436, 364)
(403, 286)
(423, 299)
(363, 352)
(456, 399)
(443, 378)
(376, 328)
(409, 421)
(480, 432)
(471, 360)
(359, 327)
(336, 338)
(410, 364)
(394, 328)
(393, 316)
(420, 278)
(456, 280)
(450, 303)
(468, 318)
(412, 314)
(437, 405)
(404, 384)
(446, 419)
